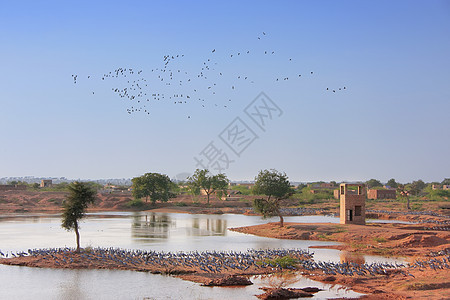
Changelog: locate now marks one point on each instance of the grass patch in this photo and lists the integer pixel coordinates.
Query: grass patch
(325, 236)
(136, 203)
(339, 229)
(417, 206)
(419, 286)
(285, 261)
(359, 246)
(55, 201)
(380, 239)
(180, 204)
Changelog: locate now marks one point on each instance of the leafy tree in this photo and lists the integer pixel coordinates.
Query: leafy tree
(404, 193)
(446, 181)
(301, 186)
(275, 185)
(373, 183)
(417, 186)
(202, 180)
(157, 187)
(392, 183)
(193, 188)
(80, 196)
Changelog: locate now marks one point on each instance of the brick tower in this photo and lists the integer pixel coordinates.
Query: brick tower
(352, 203)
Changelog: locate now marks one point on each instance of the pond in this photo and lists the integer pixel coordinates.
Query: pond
(149, 231)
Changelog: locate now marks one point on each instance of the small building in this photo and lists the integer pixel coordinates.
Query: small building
(323, 185)
(446, 187)
(46, 183)
(381, 194)
(436, 187)
(247, 185)
(12, 187)
(327, 185)
(352, 203)
(336, 194)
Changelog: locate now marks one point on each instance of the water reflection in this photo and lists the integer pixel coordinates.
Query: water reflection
(72, 288)
(145, 228)
(352, 257)
(36, 283)
(206, 226)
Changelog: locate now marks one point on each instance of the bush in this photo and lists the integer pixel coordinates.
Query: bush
(136, 203)
(285, 261)
(243, 189)
(306, 197)
(380, 239)
(440, 193)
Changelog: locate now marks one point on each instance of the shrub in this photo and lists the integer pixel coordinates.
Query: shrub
(285, 261)
(380, 239)
(136, 203)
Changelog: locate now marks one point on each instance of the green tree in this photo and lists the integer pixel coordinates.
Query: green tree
(404, 193)
(203, 180)
(392, 183)
(157, 187)
(193, 188)
(417, 186)
(80, 196)
(373, 183)
(301, 186)
(275, 185)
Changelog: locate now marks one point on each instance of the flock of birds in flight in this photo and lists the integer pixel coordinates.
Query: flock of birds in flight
(173, 84)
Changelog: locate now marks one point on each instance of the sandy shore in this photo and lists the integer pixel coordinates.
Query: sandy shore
(410, 241)
(208, 268)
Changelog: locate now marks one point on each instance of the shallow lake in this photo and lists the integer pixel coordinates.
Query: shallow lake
(149, 231)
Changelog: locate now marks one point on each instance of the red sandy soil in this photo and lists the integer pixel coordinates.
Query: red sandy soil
(410, 241)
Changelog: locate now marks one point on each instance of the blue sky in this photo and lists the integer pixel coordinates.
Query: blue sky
(390, 121)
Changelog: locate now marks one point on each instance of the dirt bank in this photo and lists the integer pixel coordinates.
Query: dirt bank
(51, 202)
(211, 269)
(410, 241)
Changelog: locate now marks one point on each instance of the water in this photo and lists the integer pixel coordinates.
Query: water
(149, 231)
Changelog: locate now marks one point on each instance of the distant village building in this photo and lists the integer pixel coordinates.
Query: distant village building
(247, 185)
(381, 194)
(315, 188)
(12, 187)
(439, 187)
(436, 187)
(352, 203)
(110, 188)
(336, 194)
(46, 183)
(323, 185)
